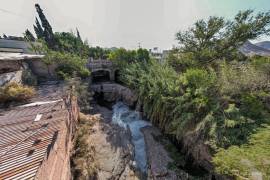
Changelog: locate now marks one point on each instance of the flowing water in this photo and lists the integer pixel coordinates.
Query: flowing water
(127, 118)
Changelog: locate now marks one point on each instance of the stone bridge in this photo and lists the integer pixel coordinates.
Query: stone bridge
(102, 70)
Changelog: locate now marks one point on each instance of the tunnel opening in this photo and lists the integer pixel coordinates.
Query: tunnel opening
(100, 76)
(117, 77)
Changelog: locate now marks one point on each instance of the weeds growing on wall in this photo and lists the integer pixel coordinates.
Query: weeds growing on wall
(14, 92)
(83, 164)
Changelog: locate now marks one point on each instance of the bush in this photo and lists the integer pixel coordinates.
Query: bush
(198, 78)
(241, 161)
(173, 102)
(181, 61)
(15, 92)
(262, 64)
(236, 78)
(195, 102)
(68, 64)
(28, 78)
(83, 161)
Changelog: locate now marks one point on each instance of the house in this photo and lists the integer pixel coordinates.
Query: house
(159, 55)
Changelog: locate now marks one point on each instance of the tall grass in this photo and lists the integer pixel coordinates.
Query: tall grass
(15, 92)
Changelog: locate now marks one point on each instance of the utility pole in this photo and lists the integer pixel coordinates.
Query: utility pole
(139, 45)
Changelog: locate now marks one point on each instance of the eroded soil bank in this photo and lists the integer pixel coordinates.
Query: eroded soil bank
(112, 150)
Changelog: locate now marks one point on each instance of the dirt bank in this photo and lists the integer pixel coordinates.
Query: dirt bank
(111, 150)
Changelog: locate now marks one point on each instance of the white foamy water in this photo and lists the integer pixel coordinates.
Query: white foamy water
(125, 118)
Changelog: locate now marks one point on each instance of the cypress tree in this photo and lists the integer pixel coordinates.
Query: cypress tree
(29, 36)
(38, 29)
(47, 32)
(78, 35)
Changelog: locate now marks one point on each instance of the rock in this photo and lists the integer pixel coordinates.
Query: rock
(194, 146)
(114, 92)
(158, 157)
(113, 149)
(128, 174)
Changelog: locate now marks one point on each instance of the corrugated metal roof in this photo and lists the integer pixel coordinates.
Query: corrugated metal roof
(18, 56)
(15, 44)
(24, 143)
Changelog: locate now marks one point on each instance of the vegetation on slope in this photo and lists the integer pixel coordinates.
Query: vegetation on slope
(207, 87)
(248, 159)
(210, 89)
(82, 161)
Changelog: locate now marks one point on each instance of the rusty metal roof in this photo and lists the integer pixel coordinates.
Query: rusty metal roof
(24, 143)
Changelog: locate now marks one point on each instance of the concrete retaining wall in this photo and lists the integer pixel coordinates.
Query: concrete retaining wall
(15, 76)
(40, 69)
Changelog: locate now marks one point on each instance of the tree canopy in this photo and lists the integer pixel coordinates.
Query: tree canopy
(45, 31)
(122, 55)
(218, 38)
(29, 36)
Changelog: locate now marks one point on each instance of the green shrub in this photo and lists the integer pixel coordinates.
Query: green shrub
(262, 64)
(68, 64)
(181, 61)
(170, 101)
(236, 78)
(193, 101)
(241, 161)
(198, 78)
(29, 78)
(252, 106)
(225, 108)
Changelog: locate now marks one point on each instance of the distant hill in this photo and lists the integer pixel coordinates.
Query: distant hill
(250, 49)
(264, 44)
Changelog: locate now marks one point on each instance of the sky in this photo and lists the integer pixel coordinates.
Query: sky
(121, 23)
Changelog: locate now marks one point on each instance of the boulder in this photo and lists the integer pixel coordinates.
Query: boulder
(114, 92)
(158, 157)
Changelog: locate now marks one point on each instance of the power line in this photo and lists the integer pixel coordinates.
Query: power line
(13, 13)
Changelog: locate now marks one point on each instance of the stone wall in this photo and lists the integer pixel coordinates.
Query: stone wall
(9, 66)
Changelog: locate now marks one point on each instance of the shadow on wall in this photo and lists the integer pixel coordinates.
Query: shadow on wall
(117, 77)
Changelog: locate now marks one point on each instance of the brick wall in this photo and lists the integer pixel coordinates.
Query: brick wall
(56, 164)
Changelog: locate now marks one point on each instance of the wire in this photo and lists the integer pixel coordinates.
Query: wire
(9, 12)
(13, 13)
